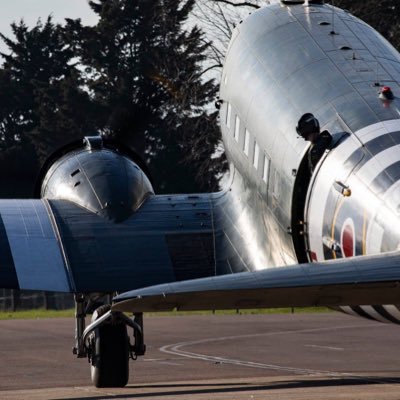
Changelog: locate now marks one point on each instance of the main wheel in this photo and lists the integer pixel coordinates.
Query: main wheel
(110, 353)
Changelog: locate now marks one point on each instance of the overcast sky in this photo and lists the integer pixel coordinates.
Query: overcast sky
(31, 10)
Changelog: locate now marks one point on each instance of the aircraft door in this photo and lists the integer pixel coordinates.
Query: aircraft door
(329, 195)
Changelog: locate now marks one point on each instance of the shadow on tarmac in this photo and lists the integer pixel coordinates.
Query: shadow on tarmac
(212, 388)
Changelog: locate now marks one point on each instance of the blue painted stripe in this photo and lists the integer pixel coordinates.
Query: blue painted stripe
(386, 178)
(372, 148)
(379, 309)
(34, 246)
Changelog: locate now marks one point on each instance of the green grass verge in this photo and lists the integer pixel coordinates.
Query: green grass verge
(41, 313)
(36, 314)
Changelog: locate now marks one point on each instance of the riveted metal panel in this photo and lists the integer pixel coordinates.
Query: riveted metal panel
(35, 248)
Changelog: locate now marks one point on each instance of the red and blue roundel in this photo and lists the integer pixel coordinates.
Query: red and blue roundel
(347, 238)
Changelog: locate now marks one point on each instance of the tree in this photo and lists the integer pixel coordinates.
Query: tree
(382, 15)
(144, 69)
(15, 176)
(65, 114)
(44, 87)
(219, 18)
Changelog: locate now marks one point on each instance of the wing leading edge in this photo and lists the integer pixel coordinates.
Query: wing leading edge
(351, 281)
(56, 245)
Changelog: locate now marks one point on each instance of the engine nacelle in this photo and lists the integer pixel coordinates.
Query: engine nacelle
(99, 179)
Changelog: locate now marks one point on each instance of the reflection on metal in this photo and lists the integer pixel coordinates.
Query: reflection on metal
(275, 214)
(331, 244)
(98, 179)
(93, 142)
(34, 246)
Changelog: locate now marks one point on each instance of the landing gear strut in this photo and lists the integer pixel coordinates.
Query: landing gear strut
(105, 342)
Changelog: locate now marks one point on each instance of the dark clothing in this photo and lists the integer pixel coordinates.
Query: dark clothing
(318, 148)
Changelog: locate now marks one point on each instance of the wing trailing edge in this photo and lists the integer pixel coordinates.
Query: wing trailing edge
(350, 281)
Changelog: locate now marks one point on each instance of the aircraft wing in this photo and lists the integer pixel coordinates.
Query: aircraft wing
(350, 281)
(56, 245)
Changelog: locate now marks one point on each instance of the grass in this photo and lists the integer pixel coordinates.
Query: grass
(42, 313)
(36, 314)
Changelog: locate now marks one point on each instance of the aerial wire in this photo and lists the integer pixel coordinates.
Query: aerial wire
(333, 18)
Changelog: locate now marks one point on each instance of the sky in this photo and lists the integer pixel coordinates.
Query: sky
(31, 10)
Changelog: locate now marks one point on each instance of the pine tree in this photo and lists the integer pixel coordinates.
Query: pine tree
(145, 70)
(381, 14)
(46, 87)
(15, 175)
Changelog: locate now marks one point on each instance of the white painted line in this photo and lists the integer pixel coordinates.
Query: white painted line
(223, 360)
(324, 347)
(176, 349)
(159, 359)
(168, 363)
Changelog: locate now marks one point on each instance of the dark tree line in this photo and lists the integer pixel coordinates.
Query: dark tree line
(136, 76)
(381, 14)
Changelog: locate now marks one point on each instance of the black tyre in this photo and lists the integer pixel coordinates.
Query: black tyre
(110, 353)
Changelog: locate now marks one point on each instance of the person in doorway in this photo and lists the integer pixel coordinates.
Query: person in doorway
(308, 128)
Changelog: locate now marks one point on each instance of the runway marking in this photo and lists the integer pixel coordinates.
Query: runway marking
(166, 361)
(159, 359)
(176, 349)
(324, 347)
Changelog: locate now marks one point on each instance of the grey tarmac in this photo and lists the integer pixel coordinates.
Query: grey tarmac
(280, 356)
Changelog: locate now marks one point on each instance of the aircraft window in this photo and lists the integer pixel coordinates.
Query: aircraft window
(256, 155)
(246, 142)
(237, 128)
(228, 116)
(266, 169)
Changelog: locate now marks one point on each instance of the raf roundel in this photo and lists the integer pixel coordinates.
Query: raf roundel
(347, 238)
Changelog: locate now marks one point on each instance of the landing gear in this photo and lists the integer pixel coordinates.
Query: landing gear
(105, 342)
(109, 352)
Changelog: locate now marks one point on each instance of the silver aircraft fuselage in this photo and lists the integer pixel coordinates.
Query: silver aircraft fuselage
(287, 60)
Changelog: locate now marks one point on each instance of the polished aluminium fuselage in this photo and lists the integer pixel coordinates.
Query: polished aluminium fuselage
(284, 61)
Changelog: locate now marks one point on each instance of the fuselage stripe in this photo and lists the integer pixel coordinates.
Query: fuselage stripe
(393, 310)
(386, 178)
(379, 309)
(371, 149)
(370, 310)
(358, 310)
(349, 310)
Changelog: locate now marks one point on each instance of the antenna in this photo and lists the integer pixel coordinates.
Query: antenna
(333, 18)
(377, 83)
